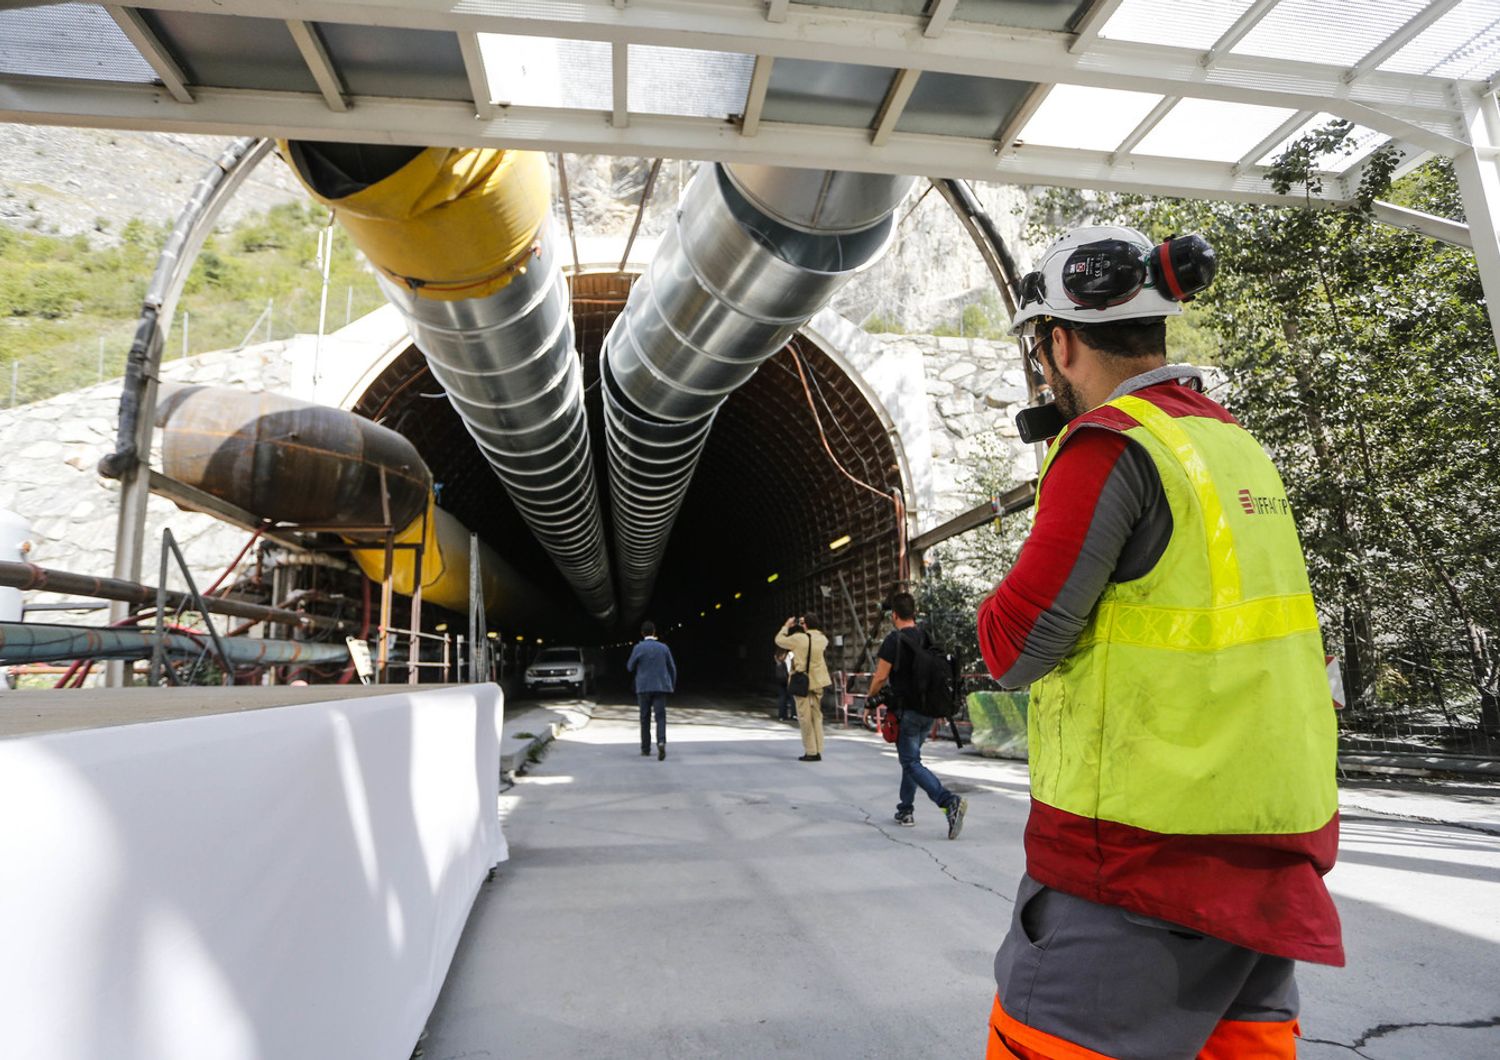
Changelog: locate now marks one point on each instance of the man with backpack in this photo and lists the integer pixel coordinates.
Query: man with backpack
(922, 690)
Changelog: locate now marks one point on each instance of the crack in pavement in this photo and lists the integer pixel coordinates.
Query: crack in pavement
(870, 820)
(1382, 1029)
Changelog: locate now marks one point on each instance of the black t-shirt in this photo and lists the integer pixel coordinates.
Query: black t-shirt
(900, 641)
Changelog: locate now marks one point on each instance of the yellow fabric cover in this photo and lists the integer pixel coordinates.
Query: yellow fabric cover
(1196, 700)
(452, 223)
(445, 563)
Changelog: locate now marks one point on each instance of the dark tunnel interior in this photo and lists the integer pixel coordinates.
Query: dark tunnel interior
(752, 542)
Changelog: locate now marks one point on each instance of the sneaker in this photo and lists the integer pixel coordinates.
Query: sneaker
(906, 819)
(955, 812)
(811, 758)
(661, 752)
(645, 750)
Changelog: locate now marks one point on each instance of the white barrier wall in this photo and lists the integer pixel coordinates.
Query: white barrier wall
(273, 883)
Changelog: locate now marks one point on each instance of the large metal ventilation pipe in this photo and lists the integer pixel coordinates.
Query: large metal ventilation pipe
(291, 461)
(754, 253)
(462, 242)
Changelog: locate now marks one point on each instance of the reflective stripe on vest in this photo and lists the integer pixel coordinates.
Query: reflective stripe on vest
(1195, 700)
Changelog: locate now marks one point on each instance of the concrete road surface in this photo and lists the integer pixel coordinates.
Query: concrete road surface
(734, 902)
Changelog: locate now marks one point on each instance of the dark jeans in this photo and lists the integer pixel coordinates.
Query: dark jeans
(914, 775)
(647, 700)
(786, 710)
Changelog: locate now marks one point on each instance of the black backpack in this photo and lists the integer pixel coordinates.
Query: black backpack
(934, 684)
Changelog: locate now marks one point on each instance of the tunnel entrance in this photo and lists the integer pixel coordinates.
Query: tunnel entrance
(752, 543)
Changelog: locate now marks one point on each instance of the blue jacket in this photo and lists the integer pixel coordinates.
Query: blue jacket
(651, 662)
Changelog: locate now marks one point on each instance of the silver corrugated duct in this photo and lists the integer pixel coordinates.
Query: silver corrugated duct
(755, 252)
(509, 366)
(464, 247)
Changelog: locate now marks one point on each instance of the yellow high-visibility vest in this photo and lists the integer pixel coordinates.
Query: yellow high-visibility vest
(1196, 702)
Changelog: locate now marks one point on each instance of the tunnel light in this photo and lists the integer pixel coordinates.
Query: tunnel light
(772, 578)
(839, 542)
(738, 595)
(521, 639)
(539, 640)
(718, 606)
(493, 635)
(702, 614)
(441, 627)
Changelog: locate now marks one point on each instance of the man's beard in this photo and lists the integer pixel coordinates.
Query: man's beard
(1068, 402)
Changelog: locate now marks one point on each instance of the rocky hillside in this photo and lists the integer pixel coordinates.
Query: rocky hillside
(92, 182)
(70, 181)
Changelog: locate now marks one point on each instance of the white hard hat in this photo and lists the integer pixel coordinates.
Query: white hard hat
(1104, 273)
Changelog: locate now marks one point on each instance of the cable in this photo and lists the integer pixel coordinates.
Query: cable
(894, 496)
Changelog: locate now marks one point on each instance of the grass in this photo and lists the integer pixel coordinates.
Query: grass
(60, 296)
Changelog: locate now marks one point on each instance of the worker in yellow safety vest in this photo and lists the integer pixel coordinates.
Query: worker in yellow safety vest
(1182, 737)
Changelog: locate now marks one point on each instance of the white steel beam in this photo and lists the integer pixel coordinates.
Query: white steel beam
(1439, 228)
(878, 39)
(895, 102)
(1005, 139)
(1149, 122)
(755, 97)
(619, 61)
(479, 78)
(1092, 22)
(139, 34)
(315, 55)
(938, 14)
(1403, 36)
(449, 124)
(1238, 31)
(776, 10)
(1479, 184)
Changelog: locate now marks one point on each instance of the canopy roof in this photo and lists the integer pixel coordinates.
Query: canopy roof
(1190, 97)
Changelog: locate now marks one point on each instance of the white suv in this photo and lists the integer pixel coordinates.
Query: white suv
(560, 668)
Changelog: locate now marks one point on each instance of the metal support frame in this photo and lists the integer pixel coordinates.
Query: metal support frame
(156, 55)
(567, 198)
(619, 63)
(159, 651)
(640, 211)
(478, 643)
(896, 98)
(1248, 20)
(315, 56)
(1479, 183)
(479, 78)
(1439, 228)
(1413, 28)
(130, 462)
(755, 95)
(1092, 21)
(1149, 122)
(938, 14)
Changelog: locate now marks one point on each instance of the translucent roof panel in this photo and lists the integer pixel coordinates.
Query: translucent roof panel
(547, 71)
(691, 83)
(1179, 23)
(69, 40)
(1463, 43)
(1211, 130)
(380, 61)
(1361, 142)
(232, 52)
(1094, 119)
(1317, 31)
(817, 93)
(954, 105)
(1027, 14)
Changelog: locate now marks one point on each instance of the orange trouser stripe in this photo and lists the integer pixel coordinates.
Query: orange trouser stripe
(1011, 1038)
(1231, 1040)
(1250, 1040)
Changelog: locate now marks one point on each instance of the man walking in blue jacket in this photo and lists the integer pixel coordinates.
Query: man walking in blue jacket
(655, 676)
